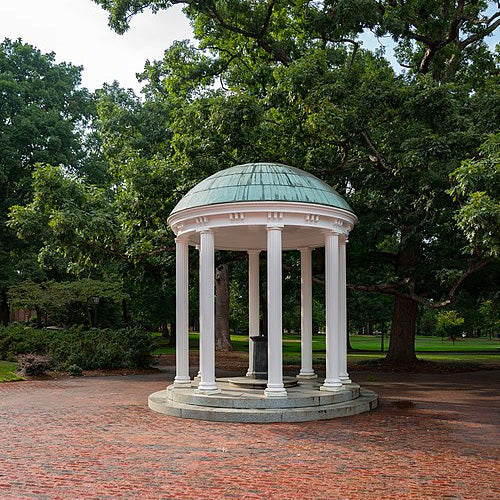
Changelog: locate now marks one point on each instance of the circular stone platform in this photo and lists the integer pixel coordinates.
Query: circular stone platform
(259, 383)
(235, 404)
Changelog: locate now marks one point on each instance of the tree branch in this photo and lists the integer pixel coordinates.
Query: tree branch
(152, 253)
(394, 288)
(265, 24)
(381, 161)
(478, 36)
(279, 54)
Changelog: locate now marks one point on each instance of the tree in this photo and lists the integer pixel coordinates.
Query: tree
(222, 332)
(117, 227)
(449, 324)
(476, 186)
(296, 86)
(42, 115)
(491, 315)
(67, 302)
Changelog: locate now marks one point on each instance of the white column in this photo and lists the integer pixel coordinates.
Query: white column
(207, 316)
(306, 367)
(344, 376)
(332, 285)
(197, 378)
(253, 305)
(181, 314)
(275, 387)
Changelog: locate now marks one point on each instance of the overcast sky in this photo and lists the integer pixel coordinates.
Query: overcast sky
(78, 32)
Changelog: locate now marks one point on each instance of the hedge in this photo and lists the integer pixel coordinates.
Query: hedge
(87, 349)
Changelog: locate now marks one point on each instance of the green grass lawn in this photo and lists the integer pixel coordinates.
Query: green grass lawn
(7, 371)
(467, 348)
(423, 344)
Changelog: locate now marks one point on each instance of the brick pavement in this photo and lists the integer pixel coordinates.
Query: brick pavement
(95, 438)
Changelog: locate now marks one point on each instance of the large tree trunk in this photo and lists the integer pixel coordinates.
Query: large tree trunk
(404, 323)
(38, 317)
(4, 311)
(222, 334)
(125, 312)
(263, 310)
(173, 333)
(404, 312)
(348, 338)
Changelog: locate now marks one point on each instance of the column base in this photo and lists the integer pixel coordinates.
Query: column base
(332, 386)
(182, 382)
(275, 392)
(198, 377)
(250, 373)
(345, 379)
(306, 376)
(208, 389)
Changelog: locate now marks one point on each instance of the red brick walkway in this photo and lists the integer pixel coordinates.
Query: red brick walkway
(95, 438)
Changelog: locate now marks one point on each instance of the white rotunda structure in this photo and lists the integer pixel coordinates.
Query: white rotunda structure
(256, 208)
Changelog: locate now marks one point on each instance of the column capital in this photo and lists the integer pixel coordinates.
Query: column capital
(253, 252)
(205, 230)
(275, 227)
(181, 239)
(337, 230)
(306, 249)
(344, 239)
(331, 232)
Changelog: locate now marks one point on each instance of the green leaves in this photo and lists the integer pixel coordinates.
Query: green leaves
(476, 187)
(65, 302)
(43, 114)
(288, 81)
(449, 324)
(67, 217)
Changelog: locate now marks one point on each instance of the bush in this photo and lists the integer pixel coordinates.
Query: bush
(74, 370)
(86, 348)
(449, 324)
(18, 338)
(34, 364)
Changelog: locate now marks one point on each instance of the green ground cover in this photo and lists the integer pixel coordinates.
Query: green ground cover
(467, 350)
(423, 343)
(7, 371)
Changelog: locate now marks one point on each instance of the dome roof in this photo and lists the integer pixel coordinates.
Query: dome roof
(261, 182)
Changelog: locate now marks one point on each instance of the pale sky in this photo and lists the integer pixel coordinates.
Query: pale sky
(78, 32)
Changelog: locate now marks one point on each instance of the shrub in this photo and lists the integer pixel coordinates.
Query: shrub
(34, 364)
(86, 348)
(18, 338)
(74, 370)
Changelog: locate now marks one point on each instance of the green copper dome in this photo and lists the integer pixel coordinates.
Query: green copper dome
(261, 182)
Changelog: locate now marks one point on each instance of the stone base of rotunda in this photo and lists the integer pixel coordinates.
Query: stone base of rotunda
(304, 402)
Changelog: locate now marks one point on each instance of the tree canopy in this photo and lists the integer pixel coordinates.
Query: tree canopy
(43, 115)
(414, 151)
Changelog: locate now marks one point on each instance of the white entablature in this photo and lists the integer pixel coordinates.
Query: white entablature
(242, 225)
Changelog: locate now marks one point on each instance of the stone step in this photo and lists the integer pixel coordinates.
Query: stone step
(230, 397)
(366, 401)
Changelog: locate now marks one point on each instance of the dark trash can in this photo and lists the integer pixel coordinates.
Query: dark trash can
(260, 357)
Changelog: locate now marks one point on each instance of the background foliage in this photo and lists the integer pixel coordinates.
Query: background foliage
(89, 185)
